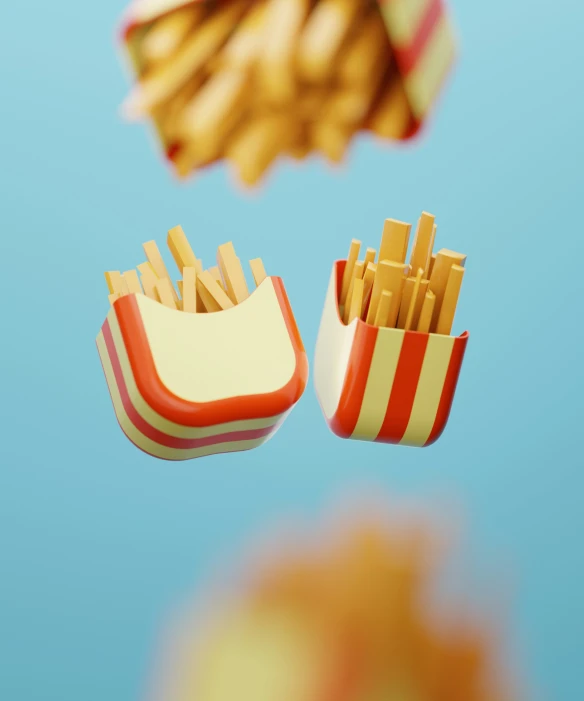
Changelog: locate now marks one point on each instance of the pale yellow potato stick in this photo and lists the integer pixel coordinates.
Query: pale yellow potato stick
(132, 281)
(216, 273)
(158, 85)
(114, 281)
(383, 309)
(327, 28)
(445, 259)
(350, 105)
(257, 143)
(367, 52)
(423, 243)
(421, 296)
(275, 68)
(394, 241)
(179, 284)
(370, 254)
(348, 274)
(112, 298)
(168, 32)
(189, 290)
(213, 295)
(258, 271)
(356, 300)
(147, 269)
(125, 289)
(180, 248)
(392, 115)
(451, 294)
(431, 265)
(149, 286)
(214, 111)
(388, 276)
(426, 312)
(167, 115)
(232, 273)
(155, 260)
(244, 45)
(413, 300)
(368, 279)
(331, 139)
(358, 270)
(404, 307)
(165, 292)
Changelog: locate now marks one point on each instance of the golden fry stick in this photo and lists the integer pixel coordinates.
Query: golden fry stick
(258, 271)
(275, 70)
(189, 290)
(445, 259)
(423, 243)
(367, 51)
(112, 298)
(180, 248)
(420, 297)
(426, 312)
(383, 309)
(132, 281)
(348, 274)
(370, 254)
(155, 259)
(167, 116)
(350, 105)
(256, 145)
(404, 307)
(160, 84)
(179, 284)
(392, 115)
(414, 297)
(389, 276)
(358, 270)
(431, 265)
(232, 273)
(394, 241)
(368, 279)
(213, 295)
(214, 111)
(451, 294)
(168, 32)
(327, 28)
(114, 281)
(147, 269)
(165, 292)
(301, 148)
(216, 273)
(244, 45)
(149, 286)
(356, 300)
(331, 139)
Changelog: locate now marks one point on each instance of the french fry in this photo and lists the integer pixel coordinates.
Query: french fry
(165, 292)
(232, 273)
(216, 273)
(331, 139)
(180, 248)
(168, 115)
(445, 259)
(132, 282)
(155, 260)
(327, 28)
(158, 85)
(189, 290)
(420, 297)
(213, 295)
(358, 270)
(426, 312)
(368, 278)
(258, 271)
(388, 276)
(370, 254)
(431, 265)
(168, 32)
(356, 300)
(348, 274)
(243, 47)
(112, 298)
(366, 52)
(382, 317)
(392, 114)
(405, 302)
(394, 241)
(148, 282)
(276, 70)
(413, 300)
(114, 281)
(451, 294)
(423, 243)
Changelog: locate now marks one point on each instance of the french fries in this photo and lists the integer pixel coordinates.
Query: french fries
(254, 81)
(419, 295)
(199, 291)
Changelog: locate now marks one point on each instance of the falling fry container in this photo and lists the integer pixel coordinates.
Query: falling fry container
(383, 384)
(420, 34)
(185, 385)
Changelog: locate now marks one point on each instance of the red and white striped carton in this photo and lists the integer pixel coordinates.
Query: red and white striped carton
(383, 384)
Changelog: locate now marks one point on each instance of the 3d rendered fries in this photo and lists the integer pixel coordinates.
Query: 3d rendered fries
(250, 81)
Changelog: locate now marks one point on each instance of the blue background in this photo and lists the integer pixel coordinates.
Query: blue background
(98, 541)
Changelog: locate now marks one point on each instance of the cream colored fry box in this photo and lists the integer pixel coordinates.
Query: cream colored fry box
(383, 384)
(185, 385)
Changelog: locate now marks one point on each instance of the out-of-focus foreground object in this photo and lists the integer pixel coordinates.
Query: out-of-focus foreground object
(346, 619)
(209, 369)
(386, 366)
(253, 80)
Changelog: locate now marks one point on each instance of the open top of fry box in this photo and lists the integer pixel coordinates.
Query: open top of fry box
(421, 40)
(383, 384)
(189, 385)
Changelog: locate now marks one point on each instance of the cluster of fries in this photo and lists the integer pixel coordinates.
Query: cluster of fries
(420, 295)
(251, 80)
(199, 290)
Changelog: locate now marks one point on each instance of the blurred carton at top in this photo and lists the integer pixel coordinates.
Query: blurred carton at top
(254, 81)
